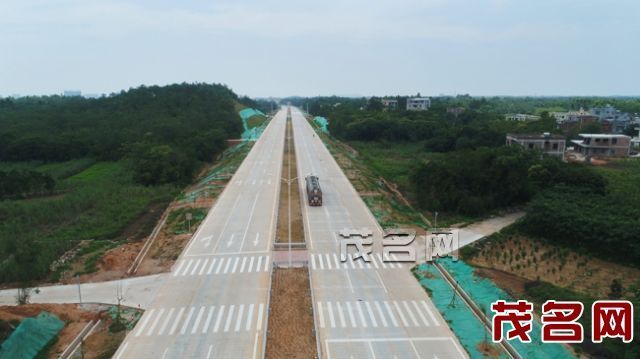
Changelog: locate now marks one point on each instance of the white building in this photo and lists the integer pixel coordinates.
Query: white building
(418, 103)
(564, 116)
(389, 104)
(521, 117)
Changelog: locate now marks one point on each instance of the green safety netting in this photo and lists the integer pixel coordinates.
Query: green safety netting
(252, 131)
(464, 323)
(250, 112)
(322, 122)
(31, 336)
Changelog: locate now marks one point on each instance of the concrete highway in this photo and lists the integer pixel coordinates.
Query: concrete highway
(214, 302)
(362, 310)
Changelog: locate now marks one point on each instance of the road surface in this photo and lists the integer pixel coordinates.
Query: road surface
(362, 310)
(214, 302)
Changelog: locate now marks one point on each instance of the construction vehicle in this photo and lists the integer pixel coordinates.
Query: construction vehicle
(314, 193)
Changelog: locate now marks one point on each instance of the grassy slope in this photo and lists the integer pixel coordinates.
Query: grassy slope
(97, 203)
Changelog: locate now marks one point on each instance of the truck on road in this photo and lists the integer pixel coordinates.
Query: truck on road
(314, 193)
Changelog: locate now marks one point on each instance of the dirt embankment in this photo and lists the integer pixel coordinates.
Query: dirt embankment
(102, 343)
(291, 330)
(289, 199)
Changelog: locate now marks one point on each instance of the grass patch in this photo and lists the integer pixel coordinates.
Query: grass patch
(99, 203)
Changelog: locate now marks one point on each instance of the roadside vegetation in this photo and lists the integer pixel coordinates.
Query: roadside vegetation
(74, 170)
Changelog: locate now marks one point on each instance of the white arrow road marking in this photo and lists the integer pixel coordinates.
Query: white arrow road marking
(255, 242)
(230, 242)
(206, 240)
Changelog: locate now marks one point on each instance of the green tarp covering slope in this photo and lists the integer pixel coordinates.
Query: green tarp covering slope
(462, 321)
(31, 336)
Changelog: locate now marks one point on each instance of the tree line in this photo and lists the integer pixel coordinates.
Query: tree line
(178, 125)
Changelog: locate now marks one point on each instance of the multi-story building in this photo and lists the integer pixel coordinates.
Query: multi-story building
(553, 145)
(418, 103)
(564, 116)
(389, 104)
(602, 145)
(614, 118)
(576, 122)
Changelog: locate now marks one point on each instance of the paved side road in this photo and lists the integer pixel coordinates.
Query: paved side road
(137, 292)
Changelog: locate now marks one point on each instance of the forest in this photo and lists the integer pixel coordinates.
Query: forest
(75, 169)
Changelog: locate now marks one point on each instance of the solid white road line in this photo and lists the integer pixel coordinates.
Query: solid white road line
(207, 322)
(239, 319)
(260, 313)
(195, 267)
(226, 267)
(204, 266)
(433, 317)
(332, 320)
(155, 322)
(235, 265)
(213, 263)
(361, 314)
(382, 318)
(250, 265)
(374, 322)
(258, 264)
(186, 269)
(413, 318)
(220, 265)
(227, 324)
(177, 270)
(166, 321)
(266, 263)
(145, 322)
(328, 261)
(218, 319)
(422, 317)
(402, 318)
(198, 318)
(390, 312)
(249, 316)
(320, 315)
(177, 321)
(340, 315)
(352, 319)
(186, 321)
(244, 261)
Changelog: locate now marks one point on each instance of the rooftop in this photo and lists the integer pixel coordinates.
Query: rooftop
(535, 136)
(601, 135)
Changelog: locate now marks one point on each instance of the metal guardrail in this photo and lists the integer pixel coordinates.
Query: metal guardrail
(77, 341)
(506, 346)
(147, 244)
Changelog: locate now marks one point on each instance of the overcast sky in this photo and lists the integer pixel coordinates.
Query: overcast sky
(295, 47)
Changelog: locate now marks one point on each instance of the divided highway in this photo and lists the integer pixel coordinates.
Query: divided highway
(362, 310)
(214, 302)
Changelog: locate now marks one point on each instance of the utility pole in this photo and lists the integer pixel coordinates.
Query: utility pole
(79, 291)
(436, 220)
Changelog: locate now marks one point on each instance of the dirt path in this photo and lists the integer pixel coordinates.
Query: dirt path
(291, 330)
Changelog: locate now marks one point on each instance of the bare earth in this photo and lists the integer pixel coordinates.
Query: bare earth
(531, 259)
(75, 320)
(291, 330)
(297, 230)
